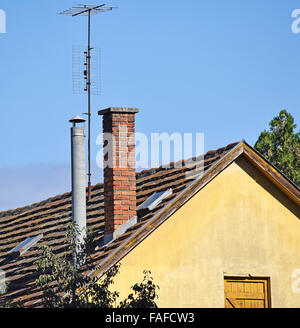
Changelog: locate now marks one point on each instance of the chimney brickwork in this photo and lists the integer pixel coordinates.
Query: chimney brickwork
(119, 166)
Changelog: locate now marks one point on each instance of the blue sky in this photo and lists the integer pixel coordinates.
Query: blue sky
(222, 68)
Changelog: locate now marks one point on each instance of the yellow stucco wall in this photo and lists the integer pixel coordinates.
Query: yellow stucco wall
(238, 224)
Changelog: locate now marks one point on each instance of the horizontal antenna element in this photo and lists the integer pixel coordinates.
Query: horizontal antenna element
(85, 10)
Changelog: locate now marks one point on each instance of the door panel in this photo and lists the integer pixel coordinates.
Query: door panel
(246, 292)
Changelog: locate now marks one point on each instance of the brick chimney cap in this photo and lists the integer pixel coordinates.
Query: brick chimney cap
(123, 110)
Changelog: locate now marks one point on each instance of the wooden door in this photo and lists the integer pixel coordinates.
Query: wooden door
(247, 292)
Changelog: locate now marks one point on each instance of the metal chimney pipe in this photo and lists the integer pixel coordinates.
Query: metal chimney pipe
(78, 183)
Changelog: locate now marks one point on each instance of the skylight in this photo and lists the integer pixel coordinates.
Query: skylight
(154, 200)
(25, 245)
(21, 249)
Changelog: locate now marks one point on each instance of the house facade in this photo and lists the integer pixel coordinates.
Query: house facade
(234, 243)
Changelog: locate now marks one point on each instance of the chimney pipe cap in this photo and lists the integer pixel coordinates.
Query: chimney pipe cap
(77, 119)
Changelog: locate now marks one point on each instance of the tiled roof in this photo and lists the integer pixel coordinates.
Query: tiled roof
(50, 217)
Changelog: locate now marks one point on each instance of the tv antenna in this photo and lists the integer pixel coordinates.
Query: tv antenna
(87, 10)
(79, 70)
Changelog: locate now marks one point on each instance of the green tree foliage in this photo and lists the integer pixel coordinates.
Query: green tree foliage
(65, 285)
(144, 294)
(281, 145)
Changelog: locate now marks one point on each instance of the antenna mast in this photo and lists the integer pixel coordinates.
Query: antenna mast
(87, 10)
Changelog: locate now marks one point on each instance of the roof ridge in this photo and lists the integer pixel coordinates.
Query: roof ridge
(41, 203)
(170, 165)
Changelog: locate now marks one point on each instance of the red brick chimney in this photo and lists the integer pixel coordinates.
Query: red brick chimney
(119, 168)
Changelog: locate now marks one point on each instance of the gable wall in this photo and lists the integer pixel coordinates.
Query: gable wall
(238, 224)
